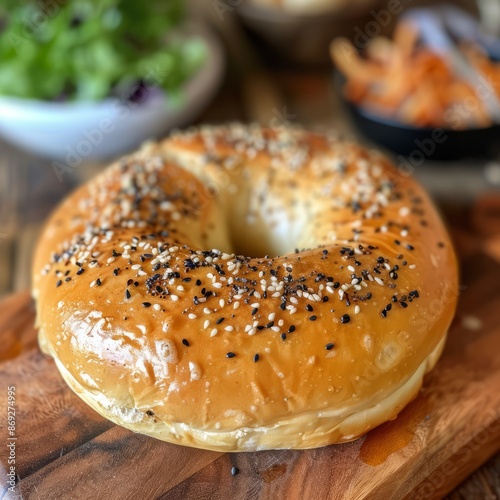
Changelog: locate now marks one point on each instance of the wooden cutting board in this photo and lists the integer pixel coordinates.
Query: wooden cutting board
(65, 450)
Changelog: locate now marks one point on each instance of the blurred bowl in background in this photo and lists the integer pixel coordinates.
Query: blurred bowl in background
(303, 38)
(421, 143)
(76, 131)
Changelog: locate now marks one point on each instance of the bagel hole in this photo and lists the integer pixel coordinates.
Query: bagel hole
(258, 237)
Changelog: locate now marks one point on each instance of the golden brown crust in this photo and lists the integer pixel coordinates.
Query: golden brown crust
(147, 331)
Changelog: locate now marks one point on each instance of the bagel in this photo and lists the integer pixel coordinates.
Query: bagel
(238, 288)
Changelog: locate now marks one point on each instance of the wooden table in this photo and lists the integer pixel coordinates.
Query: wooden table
(29, 188)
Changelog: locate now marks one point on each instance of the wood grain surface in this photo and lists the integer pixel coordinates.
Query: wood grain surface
(65, 450)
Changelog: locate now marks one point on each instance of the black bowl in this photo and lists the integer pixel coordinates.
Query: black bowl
(422, 143)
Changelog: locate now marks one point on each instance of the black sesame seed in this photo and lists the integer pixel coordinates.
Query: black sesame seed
(256, 358)
(116, 271)
(309, 307)
(254, 310)
(270, 324)
(380, 260)
(345, 318)
(329, 346)
(234, 471)
(313, 318)
(219, 321)
(80, 271)
(410, 247)
(67, 279)
(291, 329)
(283, 336)
(384, 313)
(403, 304)
(146, 304)
(130, 281)
(230, 355)
(388, 306)
(127, 294)
(185, 342)
(98, 282)
(198, 282)
(59, 283)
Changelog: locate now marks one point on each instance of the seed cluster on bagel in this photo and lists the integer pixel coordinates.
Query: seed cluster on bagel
(244, 288)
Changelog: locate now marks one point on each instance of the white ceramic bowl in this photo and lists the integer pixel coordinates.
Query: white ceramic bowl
(77, 131)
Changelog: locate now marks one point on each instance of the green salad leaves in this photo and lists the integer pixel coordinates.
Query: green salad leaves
(88, 50)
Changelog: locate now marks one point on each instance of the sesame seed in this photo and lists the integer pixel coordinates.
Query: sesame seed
(214, 332)
(329, 346)
(146, 304)
(234, 470)
(127, 294)
(256, 358)
(283, 336)
(206, 324)
(192, 316)
(185, 342)
(219, 321)
(313, 318)
(254, 310)
(345, 318)
(157, 307)
(98, 282)
(229, 328)
(59, 283)
(175, 298)
(80, 271)
(356, 309)
(230, 355)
